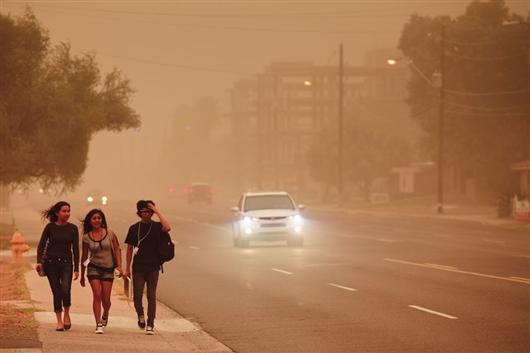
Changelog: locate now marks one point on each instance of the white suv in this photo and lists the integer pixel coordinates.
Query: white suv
(267, 216)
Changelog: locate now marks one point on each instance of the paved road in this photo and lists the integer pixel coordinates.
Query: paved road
(361, 283)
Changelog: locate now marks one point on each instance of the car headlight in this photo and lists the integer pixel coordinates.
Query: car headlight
(296, 218)
(247, 220)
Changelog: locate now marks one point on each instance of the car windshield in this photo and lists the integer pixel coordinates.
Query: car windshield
(267, 202)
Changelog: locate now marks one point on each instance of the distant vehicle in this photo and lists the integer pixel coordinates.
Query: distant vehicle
(96, 198)
(267, 216)
(199, 192)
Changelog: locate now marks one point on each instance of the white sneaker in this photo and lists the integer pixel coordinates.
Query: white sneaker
(149, 330)
(99, 329)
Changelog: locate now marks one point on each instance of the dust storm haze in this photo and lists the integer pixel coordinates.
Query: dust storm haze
(184, 58)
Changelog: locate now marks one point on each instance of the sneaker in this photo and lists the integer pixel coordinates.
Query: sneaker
(99, 329)
(104, 320)
(141, 322)
(149, 330)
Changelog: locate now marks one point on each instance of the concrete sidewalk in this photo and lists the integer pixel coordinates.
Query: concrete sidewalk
(172, 332)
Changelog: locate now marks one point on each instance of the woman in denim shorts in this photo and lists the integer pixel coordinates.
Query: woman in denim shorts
(105, 257)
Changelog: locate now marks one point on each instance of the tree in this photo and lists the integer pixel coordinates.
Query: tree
(370, 151)
(51, 103)
(487, 95)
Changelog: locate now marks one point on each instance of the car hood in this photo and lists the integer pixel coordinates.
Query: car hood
(270, 213)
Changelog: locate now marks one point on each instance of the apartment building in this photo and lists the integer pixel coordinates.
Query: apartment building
(277, 114)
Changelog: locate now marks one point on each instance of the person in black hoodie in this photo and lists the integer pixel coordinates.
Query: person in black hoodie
(58, 254)
(142, 245)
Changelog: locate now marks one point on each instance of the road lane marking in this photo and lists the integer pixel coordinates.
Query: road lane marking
(527, 280)
(511, 279)
(447, 316)
(194, 247)
(493, 241)
(282, 271)
(442, 235)
(324, 265)
(442, 266)
(386, 240)
(342, 235)
(342, 287)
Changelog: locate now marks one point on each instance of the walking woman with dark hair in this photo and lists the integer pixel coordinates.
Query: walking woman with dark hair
(58, 256)
(105, 257)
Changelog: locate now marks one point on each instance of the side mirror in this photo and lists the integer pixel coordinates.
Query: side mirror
(235, 209)
(301, 207)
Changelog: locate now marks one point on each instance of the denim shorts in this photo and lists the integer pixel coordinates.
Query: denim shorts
(99, 273)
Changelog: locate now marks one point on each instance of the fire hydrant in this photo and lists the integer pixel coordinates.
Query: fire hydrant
(18, 246)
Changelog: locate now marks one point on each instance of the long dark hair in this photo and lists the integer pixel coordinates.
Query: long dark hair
(51, 213)
(87, 225)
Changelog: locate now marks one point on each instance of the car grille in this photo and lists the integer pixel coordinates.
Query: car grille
(272, 218)
(273, 225)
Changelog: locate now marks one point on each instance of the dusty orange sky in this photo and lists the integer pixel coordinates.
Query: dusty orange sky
(176, 51)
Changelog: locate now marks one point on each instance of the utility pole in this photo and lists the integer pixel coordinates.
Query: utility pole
(441, 123)
(275, 132)
(340, 128)
(259, 133)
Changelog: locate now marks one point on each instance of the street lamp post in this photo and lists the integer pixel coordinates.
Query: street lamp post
(441, 116)
(437, 83)
(340, 128)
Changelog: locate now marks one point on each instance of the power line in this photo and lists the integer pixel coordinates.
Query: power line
(486, 94)
(179, 66)
(484, 114)
(485, 58)
(356, 14)
(482, 43)
(490, 109)
(352, 32)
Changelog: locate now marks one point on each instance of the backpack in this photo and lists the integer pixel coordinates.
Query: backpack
(166, 248)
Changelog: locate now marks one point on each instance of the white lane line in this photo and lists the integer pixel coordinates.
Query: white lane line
(342, 287)
(527, 280)
(442, 266)
(194, 247)
(493, 241)
(324, 265)
(342, 235)
(511, 279)
(522, 256)
(447, 316)
(282, 271)
(445, 236)
(386, 240)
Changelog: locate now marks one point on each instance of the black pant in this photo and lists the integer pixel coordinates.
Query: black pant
(139, 281)
(59, 272)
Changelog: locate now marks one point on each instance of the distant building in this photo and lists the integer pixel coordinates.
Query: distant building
(277, 113)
